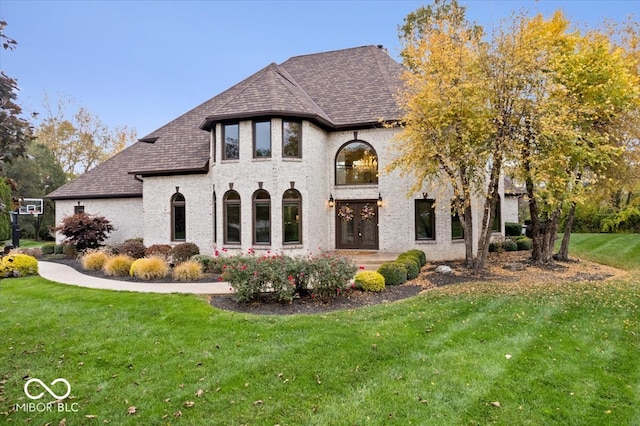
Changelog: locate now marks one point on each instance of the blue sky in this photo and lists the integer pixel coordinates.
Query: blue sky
(144, 63)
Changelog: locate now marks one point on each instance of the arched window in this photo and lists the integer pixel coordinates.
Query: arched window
(178, 218)
(232, 234)
(356, 164)
(215, 218)
(292, 217)
(261, 217)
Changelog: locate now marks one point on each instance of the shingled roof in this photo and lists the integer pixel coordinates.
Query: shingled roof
(350, 88)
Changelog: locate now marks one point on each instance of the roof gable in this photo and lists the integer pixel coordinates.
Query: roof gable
(341, 89)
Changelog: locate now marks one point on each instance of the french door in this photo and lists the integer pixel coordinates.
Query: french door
(357, 225)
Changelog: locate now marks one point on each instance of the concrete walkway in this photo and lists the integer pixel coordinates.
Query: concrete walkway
(67, 275)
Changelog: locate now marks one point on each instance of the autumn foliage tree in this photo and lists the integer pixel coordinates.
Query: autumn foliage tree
(80, 141)
(543, 98)
(85, 231)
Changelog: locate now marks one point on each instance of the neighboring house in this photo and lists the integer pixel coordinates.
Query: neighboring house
(289, 160)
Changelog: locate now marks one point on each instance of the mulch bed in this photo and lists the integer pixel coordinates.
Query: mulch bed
(429, 279)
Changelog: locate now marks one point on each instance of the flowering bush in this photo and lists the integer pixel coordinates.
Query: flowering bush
(323, 276)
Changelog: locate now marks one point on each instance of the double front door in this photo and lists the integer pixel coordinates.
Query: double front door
(357, 225)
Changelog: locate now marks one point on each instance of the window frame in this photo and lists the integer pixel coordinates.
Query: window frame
(430, 202)
(226, 203)
(254, 125)
(178, 203)
(292, 202)
(299, 123)
(344, 170)
(224, 140)
(260, 202)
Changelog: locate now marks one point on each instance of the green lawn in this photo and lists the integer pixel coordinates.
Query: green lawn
(567, 355)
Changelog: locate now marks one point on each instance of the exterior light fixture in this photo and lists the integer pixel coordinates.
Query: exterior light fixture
(331, 201)
(379, 200)
(177, 189)
(425, 195)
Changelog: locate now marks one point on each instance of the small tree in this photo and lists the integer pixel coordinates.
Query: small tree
(85, 231)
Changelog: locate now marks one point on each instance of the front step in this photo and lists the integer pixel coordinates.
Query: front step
(370, 260)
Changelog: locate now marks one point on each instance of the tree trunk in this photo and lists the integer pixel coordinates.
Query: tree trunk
(550, 234)
(467, 226)
(563, 254)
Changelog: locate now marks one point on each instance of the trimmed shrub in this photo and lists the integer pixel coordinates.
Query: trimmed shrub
(161, 250)
(369, 281)
(394, 273)
(18, 265)
(48, 248)
(118, 265)
(412, 265)
(94, 260)
(188, 271)
(509, 245)
(70, 251)
(58, 249)
(149, 268)
(512, 229)
(524, 243)
(422, 257)
(184, 251)
(496, 247)
(134, 248)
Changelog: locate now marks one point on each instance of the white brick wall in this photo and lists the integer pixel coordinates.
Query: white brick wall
(313, 176)
(125, 214)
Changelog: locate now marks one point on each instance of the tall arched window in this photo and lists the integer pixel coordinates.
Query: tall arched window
(292, 217)
(215, 218)
(356, 164)
(178, 218)
(261, 217)
(232, 234)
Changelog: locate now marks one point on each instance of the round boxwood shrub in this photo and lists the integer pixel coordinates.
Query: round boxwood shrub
(420, 255)
(18, 265)
(524, 243)
(512, 229)
(369, 281)
(184, 251)
(510, 245)
(58, 249)
(496, 247)
(48, 248)
(412, 265)
(394, 273)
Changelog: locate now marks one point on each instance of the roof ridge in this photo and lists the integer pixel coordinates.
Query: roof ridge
(285, 74)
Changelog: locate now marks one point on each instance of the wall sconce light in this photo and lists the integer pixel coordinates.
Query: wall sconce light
(78, 203)
(331, 201)
(379, 200)
(177, 189)
(425, 195)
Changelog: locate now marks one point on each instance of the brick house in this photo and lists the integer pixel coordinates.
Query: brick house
(290, 160)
